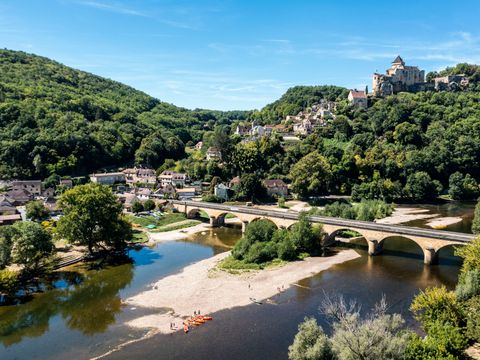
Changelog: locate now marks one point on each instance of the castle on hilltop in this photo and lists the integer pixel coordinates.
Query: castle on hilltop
(399, 77)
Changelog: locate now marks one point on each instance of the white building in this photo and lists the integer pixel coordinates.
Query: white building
(173, 178)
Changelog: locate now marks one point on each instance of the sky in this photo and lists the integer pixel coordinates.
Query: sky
(241, 54)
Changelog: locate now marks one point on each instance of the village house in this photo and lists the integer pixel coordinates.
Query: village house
(199, 145)
(276, 187)
(67, 183)
(128, 199)
(222, 191)
(173, 178)
(186, 193)
(48, 192)
(304, 127)
(214, 153)
(143, 194)
(399, 77)
(34, 187)
(9, 219)
(108, 178)
(140, 176)
(358, 98)
(167, 191)
(51, 204)
(20, 197)
(7, 206)
(258, 130)
(243, 130)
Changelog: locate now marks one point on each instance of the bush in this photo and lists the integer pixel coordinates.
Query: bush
(137, 207)
(310, 343)
(6, 234)
(261, 252)
(444, 341)
(149, 205)
(468, 285)
(257, 231)
(470, 254)
(472, 311)
(436, 305)
(8, 282)
(36, 211)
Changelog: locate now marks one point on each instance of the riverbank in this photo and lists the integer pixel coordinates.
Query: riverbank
(202, 286)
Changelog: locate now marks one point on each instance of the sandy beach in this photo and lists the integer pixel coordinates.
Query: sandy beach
(403, 215)
(201, 286)
(443, 222)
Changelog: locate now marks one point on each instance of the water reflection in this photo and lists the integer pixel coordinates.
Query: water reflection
(87, 305)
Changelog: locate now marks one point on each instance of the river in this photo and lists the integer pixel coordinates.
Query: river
(80, 314)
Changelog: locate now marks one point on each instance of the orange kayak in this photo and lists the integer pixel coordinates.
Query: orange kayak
(207, 318)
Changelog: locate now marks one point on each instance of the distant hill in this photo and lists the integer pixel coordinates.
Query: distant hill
(55, 119)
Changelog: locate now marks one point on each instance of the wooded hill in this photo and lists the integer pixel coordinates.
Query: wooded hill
(55, 119)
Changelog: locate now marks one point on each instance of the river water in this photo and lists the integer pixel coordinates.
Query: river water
(80, 314)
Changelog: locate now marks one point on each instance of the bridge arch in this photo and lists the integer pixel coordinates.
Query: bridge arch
(267, 219)
(193, 213)
(404, 247)
(446, 254)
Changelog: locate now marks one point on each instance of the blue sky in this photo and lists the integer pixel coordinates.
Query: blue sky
(241, 54)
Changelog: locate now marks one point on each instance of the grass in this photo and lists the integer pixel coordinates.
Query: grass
(177, 227)
(139, 237)
(164, 220)
(348, 234)
(234, 266)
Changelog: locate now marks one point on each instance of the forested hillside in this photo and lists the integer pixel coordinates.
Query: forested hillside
(408, 146)
(55, 119)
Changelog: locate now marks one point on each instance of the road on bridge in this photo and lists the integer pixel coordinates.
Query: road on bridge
(397, 229)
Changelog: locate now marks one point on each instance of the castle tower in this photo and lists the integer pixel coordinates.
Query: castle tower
(398, 62)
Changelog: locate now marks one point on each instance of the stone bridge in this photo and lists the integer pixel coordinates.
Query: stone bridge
(430, 241)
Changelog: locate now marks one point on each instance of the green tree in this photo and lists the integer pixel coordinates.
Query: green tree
(260, 231)
(32, 244)
(310, 343)
(420, 186)
(137, 207)
(304, 236)
(377, 336)
(476, 219)
(310, 175)
(250, 188)
(93, 217)
(35, 210)
(6, 241)
(149, 205)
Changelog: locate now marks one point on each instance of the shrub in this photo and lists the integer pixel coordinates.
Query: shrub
(149, 205)
(211, 198)
(470, 254)
(436, 305)
(137, 207)
(468, 285)
(444, 341)
(8, 282)
(310, 343)
(472, 311)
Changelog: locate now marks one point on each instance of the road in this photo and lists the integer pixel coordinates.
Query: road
(356, 224)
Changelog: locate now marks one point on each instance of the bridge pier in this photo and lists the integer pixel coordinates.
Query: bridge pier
(217, 221)
(244, 226)
(430, 256)
(374, 247)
